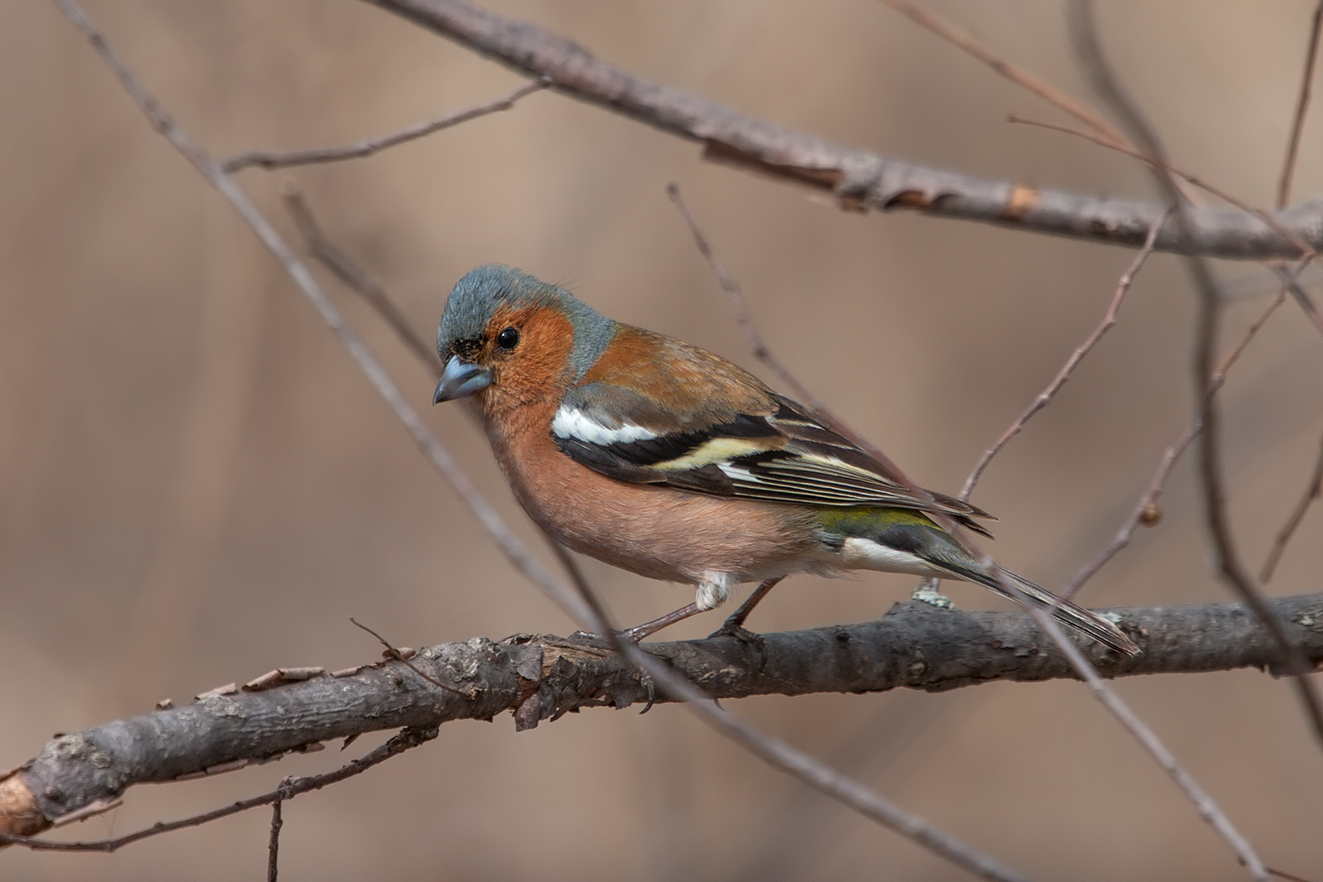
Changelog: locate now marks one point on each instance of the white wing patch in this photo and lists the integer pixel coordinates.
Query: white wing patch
(570, 422)
(735, 473)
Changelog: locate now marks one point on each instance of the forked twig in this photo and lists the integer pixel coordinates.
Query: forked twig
(1307, 253)
(1016, 74)
(406, 739)
(1313, 491)
(1145, 510)
(358, 150)
(403, 658)
(1045, 397)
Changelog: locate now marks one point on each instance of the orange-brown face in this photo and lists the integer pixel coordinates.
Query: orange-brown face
(523, 352)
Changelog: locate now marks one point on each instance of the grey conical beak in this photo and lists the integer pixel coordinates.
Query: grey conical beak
(459, 379)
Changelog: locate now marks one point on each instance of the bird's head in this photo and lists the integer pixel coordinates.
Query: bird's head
(508, 336)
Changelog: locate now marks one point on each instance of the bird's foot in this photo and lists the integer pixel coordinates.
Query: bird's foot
(737, 631)
(927, 593)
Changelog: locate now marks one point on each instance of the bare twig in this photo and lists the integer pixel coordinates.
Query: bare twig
(361, 149)
(334, 259)
(757, 345)
(1307, 252)
(403, 658)
(1145, 508)
(1209, 318)
(288, 789)
(1045, 397)
(858, 179)
(273, 840)
(1302, 105)
(1312, 493)
(1016, 74)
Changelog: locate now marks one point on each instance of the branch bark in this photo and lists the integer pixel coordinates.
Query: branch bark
(539, 678)
(860, 180)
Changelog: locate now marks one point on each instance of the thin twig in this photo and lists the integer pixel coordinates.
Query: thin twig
(407, 739)
(1016, 74)
(361, 149)
(1045, 397)
(1145, 510)
(1307, 253)
(402, 658)
(334, 259)
(757, 345)
(1312, 493)
(1302, 105)
(273, 840)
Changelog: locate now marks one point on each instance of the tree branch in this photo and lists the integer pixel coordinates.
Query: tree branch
(914, 646)
(861, 180)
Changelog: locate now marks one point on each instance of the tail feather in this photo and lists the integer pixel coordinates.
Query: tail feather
(930, 550)
(1085, 621)
(942, 551)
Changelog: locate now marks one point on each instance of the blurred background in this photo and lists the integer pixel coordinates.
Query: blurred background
(197, 485)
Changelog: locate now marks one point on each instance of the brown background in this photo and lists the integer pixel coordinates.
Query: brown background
(196, 485)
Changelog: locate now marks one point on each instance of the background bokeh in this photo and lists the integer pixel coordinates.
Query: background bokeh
(197, 485)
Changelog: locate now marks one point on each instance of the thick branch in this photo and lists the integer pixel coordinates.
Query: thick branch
(914, 646)
(861, 180)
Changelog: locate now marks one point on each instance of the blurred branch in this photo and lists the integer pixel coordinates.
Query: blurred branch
(362, 149)
(860, 180)
(333, 258)
(914, 646)
(1302, 105)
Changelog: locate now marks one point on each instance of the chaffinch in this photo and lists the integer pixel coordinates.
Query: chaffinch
(670, 462)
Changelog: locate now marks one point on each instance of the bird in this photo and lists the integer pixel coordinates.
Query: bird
(670, 462)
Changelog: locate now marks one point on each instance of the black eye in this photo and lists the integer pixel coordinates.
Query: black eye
(508, 339)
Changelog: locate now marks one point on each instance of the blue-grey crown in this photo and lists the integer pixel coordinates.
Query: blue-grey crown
(476, 297)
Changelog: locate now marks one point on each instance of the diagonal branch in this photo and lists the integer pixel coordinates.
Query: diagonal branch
(859, 179)
(1045, 397)
(1301, 105)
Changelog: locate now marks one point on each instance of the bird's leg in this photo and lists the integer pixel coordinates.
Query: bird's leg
(638, 632)
(734, 625)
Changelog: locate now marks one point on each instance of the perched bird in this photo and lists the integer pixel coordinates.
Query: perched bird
(670, 462)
